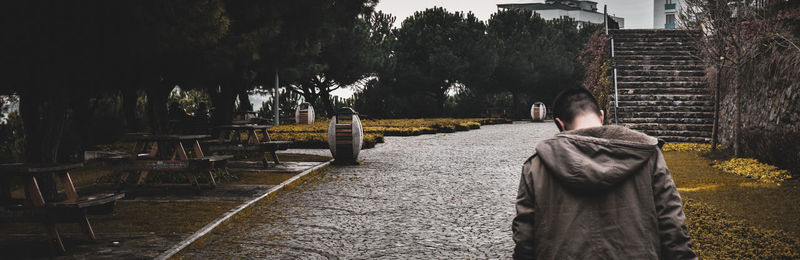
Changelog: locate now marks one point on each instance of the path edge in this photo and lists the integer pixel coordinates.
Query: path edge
(228, 215)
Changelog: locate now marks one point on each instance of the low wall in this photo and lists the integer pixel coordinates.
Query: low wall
(770, 109)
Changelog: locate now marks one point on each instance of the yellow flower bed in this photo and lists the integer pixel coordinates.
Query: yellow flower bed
(400, 127)
(686, 147)
(718, 235)
(752, 168)
(314, 135)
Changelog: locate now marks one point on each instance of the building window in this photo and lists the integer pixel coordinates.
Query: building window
(670, 24)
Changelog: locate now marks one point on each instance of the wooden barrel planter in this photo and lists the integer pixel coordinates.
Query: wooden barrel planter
(345, 136)
(538, 112)
(304, 114)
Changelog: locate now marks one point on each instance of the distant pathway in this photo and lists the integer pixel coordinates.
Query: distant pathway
(442, 196)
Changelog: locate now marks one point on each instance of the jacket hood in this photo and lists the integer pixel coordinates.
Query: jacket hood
(595, 159)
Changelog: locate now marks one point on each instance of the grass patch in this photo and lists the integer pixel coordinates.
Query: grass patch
(139, 217)
(717, 235)
(262, 178)
(301, 157)
(315, 135)
(764, 206)
(686, 147)
(754, 169)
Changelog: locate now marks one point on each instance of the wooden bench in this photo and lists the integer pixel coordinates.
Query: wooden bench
(189, 167)
(179, 160)
(72, 210)
(230, 140)
(191, 125)
(270, 147)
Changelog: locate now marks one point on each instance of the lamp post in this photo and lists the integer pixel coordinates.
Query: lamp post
(276, 100)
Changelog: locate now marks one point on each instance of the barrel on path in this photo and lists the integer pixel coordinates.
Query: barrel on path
(538, 111)
(345, 135)
(304, 114)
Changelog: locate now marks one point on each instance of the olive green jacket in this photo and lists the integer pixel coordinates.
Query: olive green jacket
(599, 193)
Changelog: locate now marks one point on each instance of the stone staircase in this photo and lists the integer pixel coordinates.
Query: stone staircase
(661, 85)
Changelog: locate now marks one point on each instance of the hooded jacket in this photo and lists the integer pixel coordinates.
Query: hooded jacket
(599, 193)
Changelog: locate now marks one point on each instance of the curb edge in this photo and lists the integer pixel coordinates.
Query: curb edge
(228, 215)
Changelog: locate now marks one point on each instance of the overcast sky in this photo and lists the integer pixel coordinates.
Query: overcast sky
(637, 13)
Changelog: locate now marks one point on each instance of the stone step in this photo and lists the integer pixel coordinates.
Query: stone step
(669, 127)
(653, 38)
(640, 103)
(657, 84)
(657, 78)
(683, 108)
(650, 62)
(621, 44)
(684, 139)
(665, 114)
(666, 120)
(620, 53)
(680, 32)
(689, 48)
(636, 72)
(659, 67)
(684, 133)
(655, 57)
(664, 91)
(664, 97)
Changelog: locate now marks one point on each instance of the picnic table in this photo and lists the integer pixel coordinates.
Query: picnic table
(168, 153)
(245, 114)
(246, 117)
(72, 210)
(230, 139)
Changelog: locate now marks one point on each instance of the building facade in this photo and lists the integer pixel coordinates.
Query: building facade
(582, 11)
(666, 13)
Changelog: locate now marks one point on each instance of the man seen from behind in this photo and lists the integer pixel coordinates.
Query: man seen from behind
(597, 192)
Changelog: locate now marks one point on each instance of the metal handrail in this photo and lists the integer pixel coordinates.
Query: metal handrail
(613, 64)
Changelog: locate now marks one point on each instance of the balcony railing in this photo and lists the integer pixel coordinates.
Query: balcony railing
(669, 26)
(669, 6)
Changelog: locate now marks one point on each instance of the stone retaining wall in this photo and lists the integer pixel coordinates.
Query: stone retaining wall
(771, 110)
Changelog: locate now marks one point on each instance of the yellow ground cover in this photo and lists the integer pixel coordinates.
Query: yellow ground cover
(732, 217)
(315, 135)
(686, 147)
(752, 168)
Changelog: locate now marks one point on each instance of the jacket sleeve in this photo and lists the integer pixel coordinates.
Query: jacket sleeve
(522, 225)
(672, 231)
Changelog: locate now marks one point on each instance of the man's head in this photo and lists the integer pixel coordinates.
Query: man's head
(576, 108)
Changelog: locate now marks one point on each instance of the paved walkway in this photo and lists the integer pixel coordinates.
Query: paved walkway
(441, 196)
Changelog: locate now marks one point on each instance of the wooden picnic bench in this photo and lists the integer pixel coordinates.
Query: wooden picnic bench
(167, 153)
(34, 208)
(247, 118)
(190, 125)
(230, 139)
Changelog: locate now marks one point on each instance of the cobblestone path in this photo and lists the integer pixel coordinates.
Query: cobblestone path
(430, 196)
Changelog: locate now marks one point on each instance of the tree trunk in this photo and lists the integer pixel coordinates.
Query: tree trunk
(82, 127)
(715, 126)
(308, 94)
(441, 101)
(223, 103)
(737, 128)
(130, 98)
(244, 102)
(515, 114)
(326, 100)
(157, 97)
(43, 116)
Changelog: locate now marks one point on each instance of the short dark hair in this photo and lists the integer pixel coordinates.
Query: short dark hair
(572, 102)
